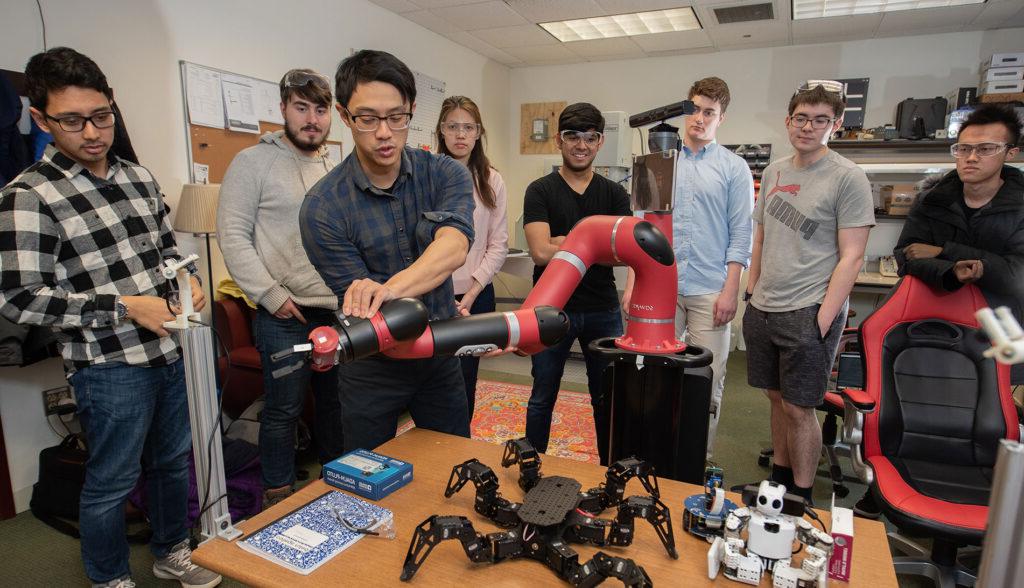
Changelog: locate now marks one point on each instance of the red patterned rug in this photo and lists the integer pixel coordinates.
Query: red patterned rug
(501, 415)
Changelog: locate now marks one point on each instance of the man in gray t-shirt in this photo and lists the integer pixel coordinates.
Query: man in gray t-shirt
(811, 227)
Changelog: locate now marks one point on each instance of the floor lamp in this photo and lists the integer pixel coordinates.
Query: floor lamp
(197, 214)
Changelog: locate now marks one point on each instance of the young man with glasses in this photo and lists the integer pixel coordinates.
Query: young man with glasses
(812, 223)
(553, 205)
(389, 222)
(967, 226)
(258, 231)
(84, 234)
(711, 232)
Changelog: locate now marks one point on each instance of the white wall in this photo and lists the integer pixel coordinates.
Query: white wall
(761, 82)
(138, 44)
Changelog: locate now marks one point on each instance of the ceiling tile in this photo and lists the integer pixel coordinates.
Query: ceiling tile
(545, 53)
(517, 36)
(469, 41)
(426, 19)
(753, 33)
(627, 6)
(860, 26)
(694, 51)
(549, 10)
(997, 13)
(484, 15)
(617, 48)
(919, 31)
(398, 6)
(673, 41)
(442, 3)
(954, 17)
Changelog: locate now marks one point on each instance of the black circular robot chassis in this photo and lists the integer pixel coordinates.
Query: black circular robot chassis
(553, 514)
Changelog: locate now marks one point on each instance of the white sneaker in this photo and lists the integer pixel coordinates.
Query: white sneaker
(125, 582)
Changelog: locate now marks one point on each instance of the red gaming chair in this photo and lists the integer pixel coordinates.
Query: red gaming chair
(925, 429)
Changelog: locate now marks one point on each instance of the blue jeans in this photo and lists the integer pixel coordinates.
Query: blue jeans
(549, 364)
(484, 303)
(376, 390)
(133, 417)
(284, 397)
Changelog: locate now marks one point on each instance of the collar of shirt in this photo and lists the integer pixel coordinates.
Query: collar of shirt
(687, 152)
(71, 168)
(363, 183)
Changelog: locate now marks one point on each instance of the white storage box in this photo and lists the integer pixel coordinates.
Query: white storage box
(1003, 87)
(1002, 74)
(1003, 60)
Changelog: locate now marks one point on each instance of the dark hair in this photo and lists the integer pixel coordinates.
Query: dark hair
(714, 88)
(818, 95)
(581, 116)
(312, 90)
(995, 114)
(373, 66)
(58, 68)
(479, 165)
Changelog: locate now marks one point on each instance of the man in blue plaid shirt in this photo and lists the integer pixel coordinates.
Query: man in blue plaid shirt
(82, 236)
(390, 222)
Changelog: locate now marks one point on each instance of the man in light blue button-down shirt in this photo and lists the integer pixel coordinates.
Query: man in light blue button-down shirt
(711, 232)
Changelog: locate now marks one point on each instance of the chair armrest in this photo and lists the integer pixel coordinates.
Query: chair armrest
(858, 399)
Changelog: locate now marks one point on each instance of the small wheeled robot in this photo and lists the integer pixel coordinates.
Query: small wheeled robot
(704, 514)
(773, 520)
(554, 513)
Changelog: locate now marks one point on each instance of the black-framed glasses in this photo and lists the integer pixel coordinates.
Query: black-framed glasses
(817, 123)
(368, 123)
(590, 138)
(452, 129)
(961, 150)
(74, 123)
(298, 79)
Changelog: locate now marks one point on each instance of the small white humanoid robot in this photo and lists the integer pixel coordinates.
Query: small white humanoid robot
(775, 521)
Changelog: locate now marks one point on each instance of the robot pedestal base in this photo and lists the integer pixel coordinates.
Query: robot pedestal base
(656, 408)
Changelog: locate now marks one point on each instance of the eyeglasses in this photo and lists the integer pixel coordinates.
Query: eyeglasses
(451, 129)
(817, 123)
(830, 86)
(75, 123)
(368, 123)
(297, 79)
(591, 138)
(960, 150)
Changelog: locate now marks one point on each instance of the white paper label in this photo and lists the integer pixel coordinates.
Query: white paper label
(300, 538)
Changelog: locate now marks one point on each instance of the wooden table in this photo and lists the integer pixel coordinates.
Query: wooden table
(378, 562)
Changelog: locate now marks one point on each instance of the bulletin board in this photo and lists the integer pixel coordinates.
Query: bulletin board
(225, 113)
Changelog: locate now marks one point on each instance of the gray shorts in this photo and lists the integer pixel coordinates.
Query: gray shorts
(786, 352)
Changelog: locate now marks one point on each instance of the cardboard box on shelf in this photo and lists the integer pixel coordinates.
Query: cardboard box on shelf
(897, 198)
(1011, 97)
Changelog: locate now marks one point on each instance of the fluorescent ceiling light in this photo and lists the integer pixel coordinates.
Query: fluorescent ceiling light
(623, 25)
(821, 8)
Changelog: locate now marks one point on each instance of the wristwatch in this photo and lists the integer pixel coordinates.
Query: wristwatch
(122, 310)
(747, 296)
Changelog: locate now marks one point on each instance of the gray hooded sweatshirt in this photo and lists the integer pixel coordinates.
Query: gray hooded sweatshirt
(258, 224)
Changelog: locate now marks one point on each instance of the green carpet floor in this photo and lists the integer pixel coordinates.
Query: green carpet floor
(35, 555)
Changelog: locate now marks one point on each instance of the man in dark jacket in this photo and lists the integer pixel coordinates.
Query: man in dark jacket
(969, 226)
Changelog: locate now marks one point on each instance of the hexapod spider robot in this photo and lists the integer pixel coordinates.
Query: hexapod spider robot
(553, 514)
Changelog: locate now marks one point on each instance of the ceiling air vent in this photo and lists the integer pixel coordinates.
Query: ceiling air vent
(748, 13)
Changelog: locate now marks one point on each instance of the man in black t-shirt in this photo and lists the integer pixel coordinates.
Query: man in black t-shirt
(553, 205)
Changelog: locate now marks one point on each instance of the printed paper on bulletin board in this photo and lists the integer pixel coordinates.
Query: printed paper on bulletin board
(534, 112)
(429, 96)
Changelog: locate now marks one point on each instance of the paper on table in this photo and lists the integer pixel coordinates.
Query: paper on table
(268, 102)
(204, 96)
(239, 103)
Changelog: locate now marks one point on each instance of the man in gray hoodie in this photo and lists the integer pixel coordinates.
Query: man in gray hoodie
(258, 230)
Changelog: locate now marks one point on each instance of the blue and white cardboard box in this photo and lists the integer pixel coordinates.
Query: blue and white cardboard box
(368, 474)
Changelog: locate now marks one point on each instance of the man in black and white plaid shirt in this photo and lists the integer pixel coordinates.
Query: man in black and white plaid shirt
(82, 236)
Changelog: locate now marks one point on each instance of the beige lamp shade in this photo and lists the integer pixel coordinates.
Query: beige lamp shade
(197, 209)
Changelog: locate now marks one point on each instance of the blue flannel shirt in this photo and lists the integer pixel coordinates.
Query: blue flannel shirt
(353, 230)
(711, 223)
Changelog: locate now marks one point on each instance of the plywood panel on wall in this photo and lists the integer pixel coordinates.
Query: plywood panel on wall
(217, 147)
(531, 111)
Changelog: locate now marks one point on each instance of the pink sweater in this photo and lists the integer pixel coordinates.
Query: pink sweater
(490, 246)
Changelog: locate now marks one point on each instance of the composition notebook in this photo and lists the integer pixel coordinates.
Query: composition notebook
(307, 537)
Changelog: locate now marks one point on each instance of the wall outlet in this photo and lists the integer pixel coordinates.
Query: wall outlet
(52, 400)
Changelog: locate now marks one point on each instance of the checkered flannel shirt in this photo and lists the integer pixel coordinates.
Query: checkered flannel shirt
(72, 243)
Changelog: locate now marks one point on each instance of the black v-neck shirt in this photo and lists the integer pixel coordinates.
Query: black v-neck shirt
(551, 200)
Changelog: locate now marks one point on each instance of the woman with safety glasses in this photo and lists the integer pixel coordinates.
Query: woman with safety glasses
(460, 133)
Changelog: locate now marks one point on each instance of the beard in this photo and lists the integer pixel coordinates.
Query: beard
(303, 144)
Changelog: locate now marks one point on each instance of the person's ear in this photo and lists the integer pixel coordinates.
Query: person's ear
(1011, 153)
(40, 119)
(343, 114)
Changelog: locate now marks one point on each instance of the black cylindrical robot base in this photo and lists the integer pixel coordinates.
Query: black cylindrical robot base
(656, 408)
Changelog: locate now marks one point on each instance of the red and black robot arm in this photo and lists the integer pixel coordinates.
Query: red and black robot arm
(401, 329)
